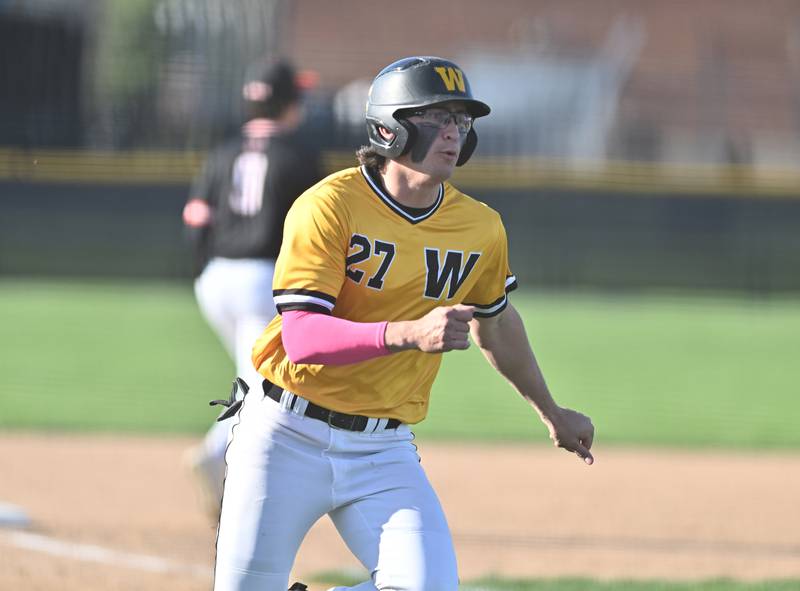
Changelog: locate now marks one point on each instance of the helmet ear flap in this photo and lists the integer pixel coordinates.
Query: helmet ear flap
(468, 148)
(380, 143)
(391, 147)
(411, 135)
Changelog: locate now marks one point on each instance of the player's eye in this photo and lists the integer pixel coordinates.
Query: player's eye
(441, 118)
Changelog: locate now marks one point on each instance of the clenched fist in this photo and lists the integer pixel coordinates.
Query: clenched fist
(442, 329)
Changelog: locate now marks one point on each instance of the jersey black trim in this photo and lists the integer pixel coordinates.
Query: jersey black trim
(306, 292)
(497, 306)
(306, 307)
(489, 310)
(493, 312)
(511, 283)
(303, 299)
(397, 207)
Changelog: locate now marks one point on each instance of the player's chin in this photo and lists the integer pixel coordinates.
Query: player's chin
(445, 169)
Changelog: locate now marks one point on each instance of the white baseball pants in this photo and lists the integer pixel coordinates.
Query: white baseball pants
(235, 297)
(285, 471)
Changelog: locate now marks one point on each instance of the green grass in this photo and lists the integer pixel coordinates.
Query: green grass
(655, 369)
(346, 578)
(107, 356)
(590, 585)
(673, 371)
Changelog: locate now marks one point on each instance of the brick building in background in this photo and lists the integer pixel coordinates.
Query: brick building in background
(695, 81)
(702, 81)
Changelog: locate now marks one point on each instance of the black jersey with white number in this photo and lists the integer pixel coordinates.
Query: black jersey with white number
(250, 183)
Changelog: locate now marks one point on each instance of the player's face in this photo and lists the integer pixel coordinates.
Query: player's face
(441, 132)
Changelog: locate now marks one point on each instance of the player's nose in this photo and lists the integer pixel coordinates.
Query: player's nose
(450, 130)
(450, 127)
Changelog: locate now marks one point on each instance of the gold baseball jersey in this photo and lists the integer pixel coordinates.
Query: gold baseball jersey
(350, 250)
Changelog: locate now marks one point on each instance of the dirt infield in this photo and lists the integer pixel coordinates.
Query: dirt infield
(121, 513)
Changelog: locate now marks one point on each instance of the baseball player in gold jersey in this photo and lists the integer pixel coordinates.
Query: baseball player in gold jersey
(383, 267)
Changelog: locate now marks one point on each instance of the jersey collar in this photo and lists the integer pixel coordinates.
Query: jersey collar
(396, 207)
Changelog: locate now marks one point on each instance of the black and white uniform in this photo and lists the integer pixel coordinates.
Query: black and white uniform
(249, 183)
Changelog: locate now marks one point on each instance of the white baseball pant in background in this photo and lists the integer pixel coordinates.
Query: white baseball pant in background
(235, 297)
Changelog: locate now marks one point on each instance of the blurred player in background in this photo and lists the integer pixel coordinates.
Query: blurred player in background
(383, 268)
(234, 216)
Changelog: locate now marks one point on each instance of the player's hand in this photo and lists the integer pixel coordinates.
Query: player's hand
(442, 329)
(572, 431)
(196, 213)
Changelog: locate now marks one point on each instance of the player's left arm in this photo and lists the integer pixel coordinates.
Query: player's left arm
(503, 341)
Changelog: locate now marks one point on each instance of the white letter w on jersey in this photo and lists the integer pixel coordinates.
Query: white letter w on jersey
(452, 272)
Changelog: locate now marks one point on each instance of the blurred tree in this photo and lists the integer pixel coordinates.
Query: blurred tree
(127, 52)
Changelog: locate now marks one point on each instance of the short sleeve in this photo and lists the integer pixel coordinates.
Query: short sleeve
(310, 268)
(489, 294)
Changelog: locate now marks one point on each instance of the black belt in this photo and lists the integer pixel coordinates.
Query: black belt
(339, 420)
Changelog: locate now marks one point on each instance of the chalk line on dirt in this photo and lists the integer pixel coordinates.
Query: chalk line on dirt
(92, 553)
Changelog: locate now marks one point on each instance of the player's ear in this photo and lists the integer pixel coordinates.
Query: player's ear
(386, 133)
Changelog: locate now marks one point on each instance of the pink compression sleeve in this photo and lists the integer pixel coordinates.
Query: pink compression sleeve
(310, 337)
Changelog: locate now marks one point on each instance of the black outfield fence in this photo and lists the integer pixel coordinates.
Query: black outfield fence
(559, 237)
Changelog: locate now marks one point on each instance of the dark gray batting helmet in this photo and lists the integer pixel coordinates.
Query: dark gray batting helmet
(412, 83)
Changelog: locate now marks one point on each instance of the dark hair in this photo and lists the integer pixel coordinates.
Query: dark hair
(369, 157)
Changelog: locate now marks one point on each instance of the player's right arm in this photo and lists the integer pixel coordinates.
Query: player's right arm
(197, 212)
(442, 329)
(338, 341)
(198, 215)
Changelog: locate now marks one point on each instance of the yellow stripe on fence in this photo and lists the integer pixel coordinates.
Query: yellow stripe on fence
(99, 167)
(629, 177)
(514, 173)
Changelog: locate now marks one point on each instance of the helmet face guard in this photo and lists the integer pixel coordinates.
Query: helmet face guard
(413, 83)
